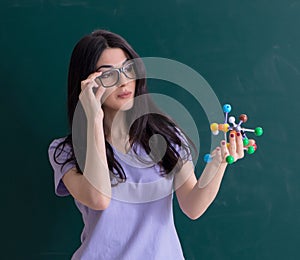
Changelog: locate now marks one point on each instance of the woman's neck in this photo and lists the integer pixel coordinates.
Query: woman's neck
(116, 129)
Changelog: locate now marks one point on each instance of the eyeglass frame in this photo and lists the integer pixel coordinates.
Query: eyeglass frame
(119, 70)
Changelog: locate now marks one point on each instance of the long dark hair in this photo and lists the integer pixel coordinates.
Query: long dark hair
(83, 62)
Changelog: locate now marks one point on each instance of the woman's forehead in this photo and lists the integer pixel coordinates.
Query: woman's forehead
(112, 56)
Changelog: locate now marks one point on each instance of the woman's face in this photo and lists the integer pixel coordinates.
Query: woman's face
(120, 96)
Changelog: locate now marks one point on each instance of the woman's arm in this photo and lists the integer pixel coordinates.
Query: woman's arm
(93, 188)
(194, 196)
(80, 185)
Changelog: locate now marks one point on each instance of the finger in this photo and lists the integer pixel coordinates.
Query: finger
(213, 153)
(98, 89)
(94, 75)
(99, 93)
(251, 143)
(232, 144)
(83, 84)
(91, 81)
(217, 155)
(239, 145)
(88, 83)
(224, 150)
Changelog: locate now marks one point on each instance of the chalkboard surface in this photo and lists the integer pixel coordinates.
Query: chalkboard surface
(249, 53)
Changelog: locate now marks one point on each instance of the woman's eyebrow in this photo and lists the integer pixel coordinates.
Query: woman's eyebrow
(111, 66)
(104, 66)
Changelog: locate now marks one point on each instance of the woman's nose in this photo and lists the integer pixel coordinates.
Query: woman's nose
(123, 80)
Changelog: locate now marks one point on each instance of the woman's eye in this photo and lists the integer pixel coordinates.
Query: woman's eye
(129, 68)
(106, 75)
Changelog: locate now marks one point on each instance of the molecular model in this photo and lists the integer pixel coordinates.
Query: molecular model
(249, 145)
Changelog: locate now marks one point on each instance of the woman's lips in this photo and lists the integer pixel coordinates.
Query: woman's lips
(125, 94)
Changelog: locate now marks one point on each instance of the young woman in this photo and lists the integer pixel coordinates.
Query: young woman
(123, 187)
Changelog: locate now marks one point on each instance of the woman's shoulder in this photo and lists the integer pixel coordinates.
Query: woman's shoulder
(60, 148)
(57, 142)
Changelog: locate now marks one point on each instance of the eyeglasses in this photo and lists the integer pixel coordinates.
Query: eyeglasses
(111, 77)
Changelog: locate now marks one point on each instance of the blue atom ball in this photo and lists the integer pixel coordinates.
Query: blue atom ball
(227, 108)
(207, 158)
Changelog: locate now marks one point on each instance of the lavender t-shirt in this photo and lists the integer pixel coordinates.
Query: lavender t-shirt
(138, 224)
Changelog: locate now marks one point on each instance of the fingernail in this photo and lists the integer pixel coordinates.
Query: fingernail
(223, 143)
(238, 134)
(231, 135)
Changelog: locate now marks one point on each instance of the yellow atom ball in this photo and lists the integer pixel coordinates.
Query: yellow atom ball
(226, 128)
(214, 127)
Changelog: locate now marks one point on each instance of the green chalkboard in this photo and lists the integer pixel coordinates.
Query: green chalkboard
(249, 53)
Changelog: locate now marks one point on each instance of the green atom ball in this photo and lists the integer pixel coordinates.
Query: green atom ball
(251, 150)
(245, 141)
(230, 159)
(258, 131)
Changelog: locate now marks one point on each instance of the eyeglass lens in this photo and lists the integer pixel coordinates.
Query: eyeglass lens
(111, 77)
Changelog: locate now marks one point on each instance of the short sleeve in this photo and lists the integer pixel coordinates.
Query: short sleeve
(59, 171)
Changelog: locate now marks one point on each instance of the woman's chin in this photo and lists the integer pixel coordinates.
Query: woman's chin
(127, 105)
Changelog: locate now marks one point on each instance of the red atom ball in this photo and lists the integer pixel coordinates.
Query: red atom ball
(243, 118)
